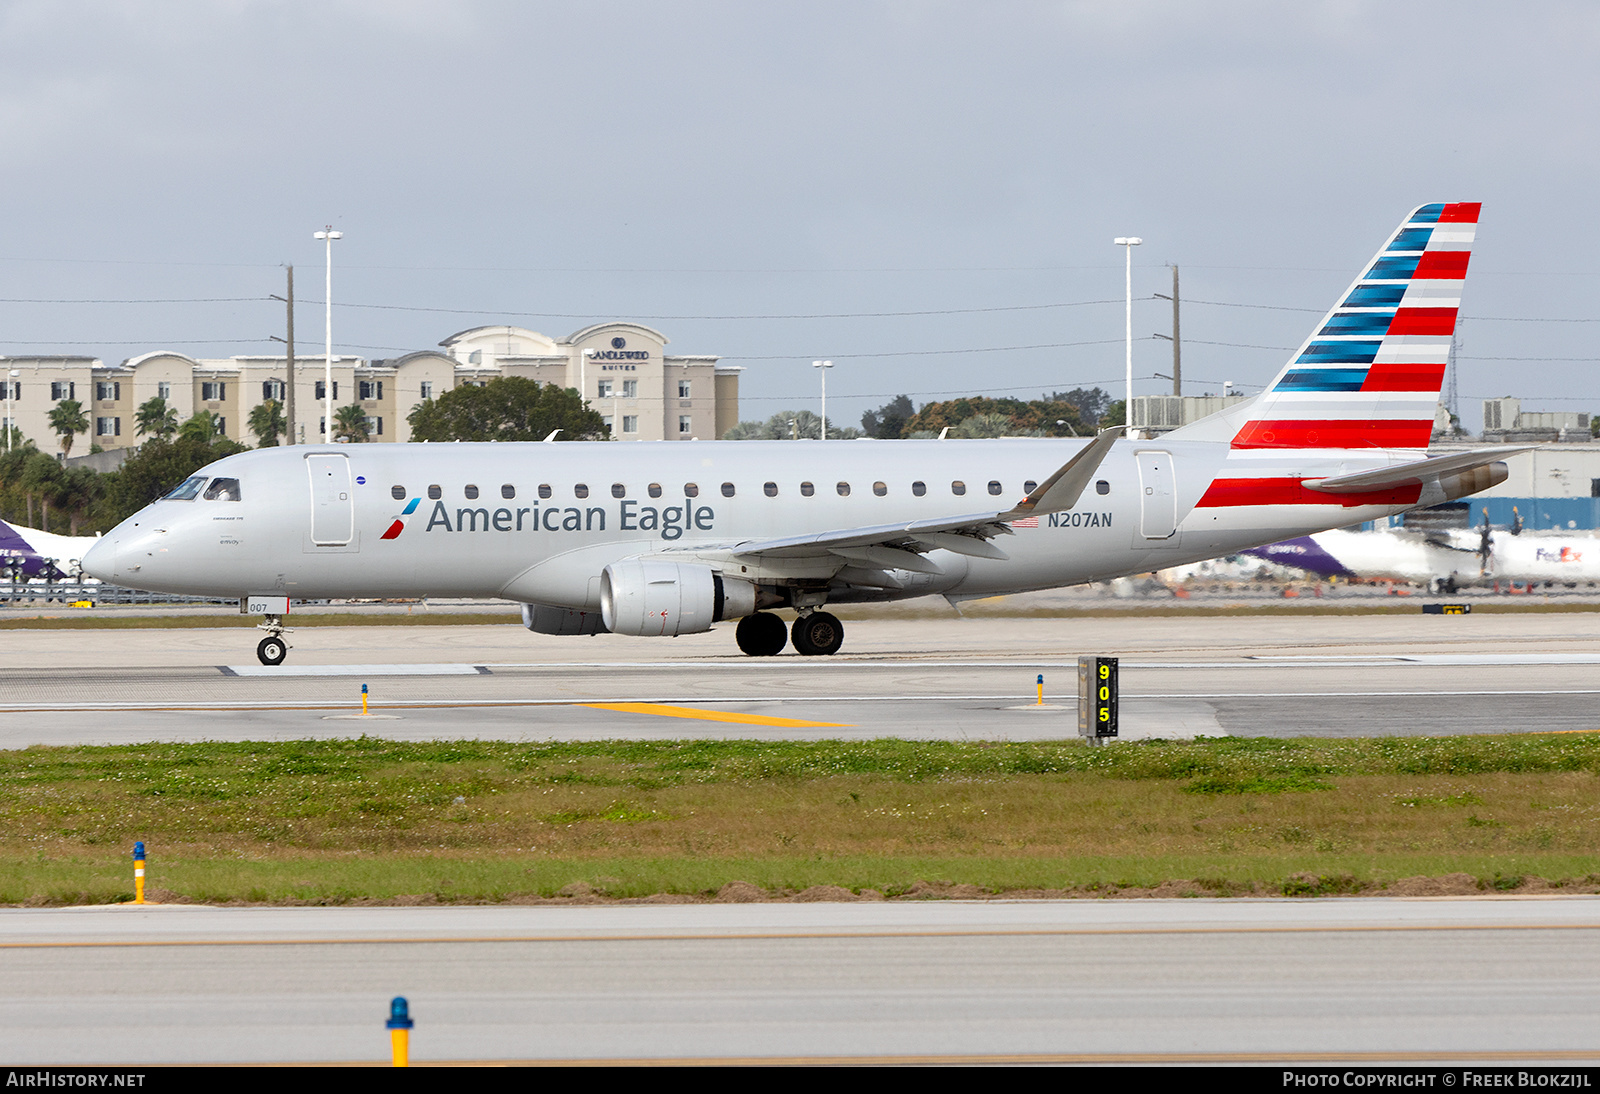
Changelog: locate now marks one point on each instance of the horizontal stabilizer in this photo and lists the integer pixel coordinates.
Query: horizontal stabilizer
(1411, 474)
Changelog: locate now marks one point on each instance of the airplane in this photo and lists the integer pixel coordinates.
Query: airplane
(1444, 560)
(29, 553)
(670, 538)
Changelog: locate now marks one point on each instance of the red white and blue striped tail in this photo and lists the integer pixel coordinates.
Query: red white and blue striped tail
(1369, 376)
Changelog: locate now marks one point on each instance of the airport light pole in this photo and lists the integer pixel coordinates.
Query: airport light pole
(328, 235)
(10, 384)
(824, 366)
(1129, 242)
(583, 376)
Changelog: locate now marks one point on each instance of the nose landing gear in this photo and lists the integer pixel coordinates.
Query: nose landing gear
(272, 649)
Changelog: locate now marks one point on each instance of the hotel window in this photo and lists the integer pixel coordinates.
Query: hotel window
(427, 389)
(213, 391)
(164, 391)
(683, 389)
(16, 388)
(107, 390)
(272, 389)
(685, 424)
(108, 427)
(630, 423)
(63, 389)
(630, 389)
(371, 389)
(322, 390)
(374, 427)
(605, 389)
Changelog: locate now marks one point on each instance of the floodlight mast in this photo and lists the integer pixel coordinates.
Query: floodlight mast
(328, 235)
(1129, 242)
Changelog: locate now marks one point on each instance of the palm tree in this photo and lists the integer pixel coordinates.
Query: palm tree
(201, 427)
(266, 422)
(156, 418)
(68, 419)
(350, 423)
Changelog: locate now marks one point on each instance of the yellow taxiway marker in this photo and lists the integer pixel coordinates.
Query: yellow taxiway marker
(665, 711)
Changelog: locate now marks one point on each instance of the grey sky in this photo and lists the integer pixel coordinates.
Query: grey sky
(638, 159)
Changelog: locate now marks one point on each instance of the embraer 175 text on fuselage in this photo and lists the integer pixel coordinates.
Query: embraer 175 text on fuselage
(671, 538)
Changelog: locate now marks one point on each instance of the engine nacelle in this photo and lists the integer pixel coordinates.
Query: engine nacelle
(545, 619)
(648, 596)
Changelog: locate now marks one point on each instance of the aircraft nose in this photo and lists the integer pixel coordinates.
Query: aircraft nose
(100, 561)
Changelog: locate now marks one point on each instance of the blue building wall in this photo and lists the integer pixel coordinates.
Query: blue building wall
(1538, 514)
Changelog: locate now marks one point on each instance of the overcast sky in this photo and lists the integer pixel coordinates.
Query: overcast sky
(752, 179)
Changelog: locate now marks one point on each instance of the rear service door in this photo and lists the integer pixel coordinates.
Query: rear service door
(333, 513)
(1158, 500)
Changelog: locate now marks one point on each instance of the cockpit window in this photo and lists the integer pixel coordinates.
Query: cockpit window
(188, 489)
(222, 490)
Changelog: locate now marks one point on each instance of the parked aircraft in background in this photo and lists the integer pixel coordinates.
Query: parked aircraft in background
(670, 538)
(1444, 560)
(29, 552)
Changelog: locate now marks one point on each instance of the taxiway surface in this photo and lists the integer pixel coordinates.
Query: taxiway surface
(1355, 980)
(1248, 675)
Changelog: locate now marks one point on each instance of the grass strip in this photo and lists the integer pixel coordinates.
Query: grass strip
(357, 819)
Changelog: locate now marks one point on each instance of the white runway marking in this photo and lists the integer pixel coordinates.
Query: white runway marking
(354, 670)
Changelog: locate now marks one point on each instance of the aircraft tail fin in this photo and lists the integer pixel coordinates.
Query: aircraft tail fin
(1369, 375)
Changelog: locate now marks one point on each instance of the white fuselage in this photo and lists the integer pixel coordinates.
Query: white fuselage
(311, 521)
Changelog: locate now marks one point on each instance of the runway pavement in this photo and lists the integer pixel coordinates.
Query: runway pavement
(956, 679)
(1467, 981)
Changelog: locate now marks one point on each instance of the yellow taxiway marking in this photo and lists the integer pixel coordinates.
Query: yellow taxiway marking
(666, 711)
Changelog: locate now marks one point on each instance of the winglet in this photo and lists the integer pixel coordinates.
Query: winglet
(1062, 489)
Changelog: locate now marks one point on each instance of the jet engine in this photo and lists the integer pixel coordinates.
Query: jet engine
(545, 619)
(655, 597)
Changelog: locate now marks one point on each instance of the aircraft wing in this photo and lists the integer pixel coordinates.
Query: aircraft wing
(898, 546)
(1412, 474)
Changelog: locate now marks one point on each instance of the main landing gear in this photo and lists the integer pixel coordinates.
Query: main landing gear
(272, 649)
(814, 633)
(817, 633)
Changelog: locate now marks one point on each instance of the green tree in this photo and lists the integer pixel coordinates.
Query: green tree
(155, 418)
(266, 421)
(1116, 414)
(201, 426)
(350, 424)
(68, 420)
(1048, 417)
(788, 425)
(889, 420)
(510, 408)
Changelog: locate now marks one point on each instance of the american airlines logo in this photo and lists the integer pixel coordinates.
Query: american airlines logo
(668, 522)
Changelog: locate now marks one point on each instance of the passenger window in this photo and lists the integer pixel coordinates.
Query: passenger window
(1102, 487)
(1029, 486)
(727, 489)
(618, 490)
(655, 489)
(958, 488)
(691, 490)
(544, 490)
(880, 489)
(398, 493)
(580, 491)
(187, 489)
(434, 493)
(223, 490)
(994, 486)
(472, 493)
(806, 490)
(508, 491)
(771, 489)
(844, 489)
(918, 489)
